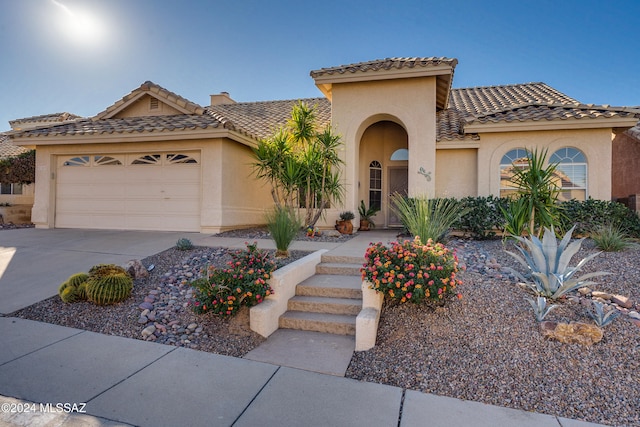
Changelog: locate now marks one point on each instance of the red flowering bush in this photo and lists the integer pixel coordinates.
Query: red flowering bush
(223, 291)
(411, 270)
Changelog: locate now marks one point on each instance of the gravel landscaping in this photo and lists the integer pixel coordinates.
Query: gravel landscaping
(486, 347)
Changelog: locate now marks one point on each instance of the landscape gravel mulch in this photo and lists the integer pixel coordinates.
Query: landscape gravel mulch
(486, 347)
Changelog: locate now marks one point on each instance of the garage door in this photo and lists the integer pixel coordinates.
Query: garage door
(142, 191)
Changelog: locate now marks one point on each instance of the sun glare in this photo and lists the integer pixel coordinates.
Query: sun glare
(80, 26)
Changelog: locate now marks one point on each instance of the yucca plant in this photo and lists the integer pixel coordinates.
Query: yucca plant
(548, 263)
(601, 317)
(540, 307)
(283, 224)
(427, 218)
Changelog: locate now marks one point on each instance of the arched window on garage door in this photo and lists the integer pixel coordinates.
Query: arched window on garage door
(572, 173)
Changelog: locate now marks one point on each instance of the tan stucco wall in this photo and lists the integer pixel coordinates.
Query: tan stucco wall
(224, 169)
(408, 102)
(140, 108)
(594, 143)
(456, 173)
(26, 198)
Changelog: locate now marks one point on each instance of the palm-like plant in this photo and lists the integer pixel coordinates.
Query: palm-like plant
(538, 188)
(548, 263)
(301, 162)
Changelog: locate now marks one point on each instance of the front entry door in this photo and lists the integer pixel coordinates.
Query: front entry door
(398, 183)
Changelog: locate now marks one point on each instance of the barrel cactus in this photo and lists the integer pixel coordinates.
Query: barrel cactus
(108, 284)
(68, 293)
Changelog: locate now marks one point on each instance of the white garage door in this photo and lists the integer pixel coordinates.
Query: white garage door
(143, 191)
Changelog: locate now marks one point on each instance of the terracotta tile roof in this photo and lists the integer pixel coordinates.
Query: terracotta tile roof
(159, 92)
(385, 64)
(510, 103)
(7, 149)
(260, 119)
(487, 99)
(45, 118)
(537, 112)
(124, 125)
(635, 131)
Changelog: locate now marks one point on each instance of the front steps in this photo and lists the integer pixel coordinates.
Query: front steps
(329, 301)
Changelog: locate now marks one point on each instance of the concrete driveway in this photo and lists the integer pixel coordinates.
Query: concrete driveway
(33, 262)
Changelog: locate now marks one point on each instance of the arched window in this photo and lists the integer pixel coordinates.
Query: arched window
(571, 172)
(375, 184)
(400, 154)
(516, 158)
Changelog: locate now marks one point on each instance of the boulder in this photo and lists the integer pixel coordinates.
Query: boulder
(622, 301)
(572, 333)
(136, 270)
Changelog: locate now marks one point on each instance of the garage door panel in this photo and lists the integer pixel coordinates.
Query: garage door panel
(160, 196)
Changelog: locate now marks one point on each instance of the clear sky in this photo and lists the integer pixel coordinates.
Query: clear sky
(81, 56)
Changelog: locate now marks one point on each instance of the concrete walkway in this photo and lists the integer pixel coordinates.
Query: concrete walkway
(57, 376)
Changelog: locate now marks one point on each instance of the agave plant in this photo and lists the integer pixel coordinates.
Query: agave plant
(540, 308)
(548, 263)
(599, 316)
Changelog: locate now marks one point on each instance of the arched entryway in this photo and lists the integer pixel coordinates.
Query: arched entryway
(383, 168)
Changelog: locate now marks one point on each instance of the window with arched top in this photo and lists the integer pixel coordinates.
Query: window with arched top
(514, 159)
(571, 173)
(400, 154)
(375, 184)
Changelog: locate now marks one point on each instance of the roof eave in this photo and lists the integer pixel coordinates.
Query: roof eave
(115, 138)
(556, 124)
(326, 81)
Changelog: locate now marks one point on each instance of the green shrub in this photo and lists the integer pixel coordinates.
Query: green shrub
(591, 214)
(482, 216)
(427, 218)
(283, 225)
(184, 244)
(411, 270)
(224, 291)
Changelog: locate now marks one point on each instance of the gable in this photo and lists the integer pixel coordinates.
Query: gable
(146, 105)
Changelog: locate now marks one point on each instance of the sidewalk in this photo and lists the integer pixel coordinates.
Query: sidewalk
(118, 381)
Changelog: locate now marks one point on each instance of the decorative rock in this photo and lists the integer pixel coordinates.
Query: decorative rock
(192, 326)
(634, 315)
(622, 301)
(149, 330)
(154, 292)
(145, 312)
(146, 306)
(136, 269)
(599, 294)
(332, 233)
(584, 291)
(152, 316)
(572, 333)
(149, 299)
(143, 319)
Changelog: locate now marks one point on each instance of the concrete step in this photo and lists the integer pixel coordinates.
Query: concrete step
(326, 285)
(350, 306)
(339, 324)
(338, 269)
(342, 259)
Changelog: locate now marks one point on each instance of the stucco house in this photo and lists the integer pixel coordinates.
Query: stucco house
(155, 160)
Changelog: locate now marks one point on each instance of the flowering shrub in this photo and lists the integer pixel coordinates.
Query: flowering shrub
(223, 291)
(411, 270)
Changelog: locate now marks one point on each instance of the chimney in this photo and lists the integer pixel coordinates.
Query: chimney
(221, 98)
